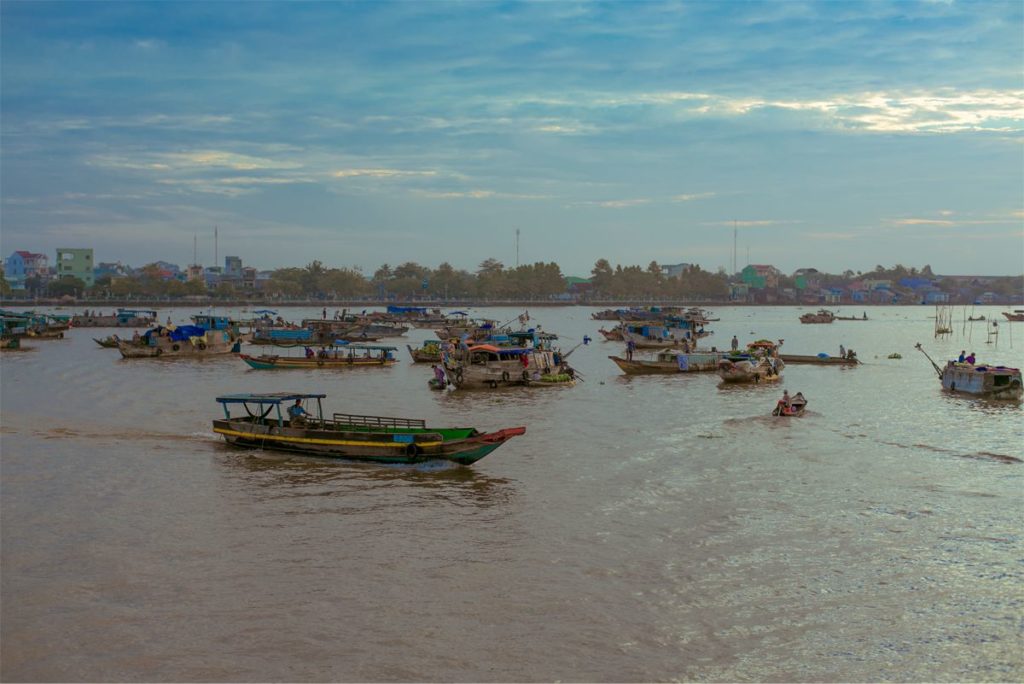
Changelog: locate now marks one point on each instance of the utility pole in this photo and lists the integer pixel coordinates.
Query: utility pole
(734, 246)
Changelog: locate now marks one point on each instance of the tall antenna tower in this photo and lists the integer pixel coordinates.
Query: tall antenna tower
(195, 250)
(517, 248)
(215, 258)
(734, 245)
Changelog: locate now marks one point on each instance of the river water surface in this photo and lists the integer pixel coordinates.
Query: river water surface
(643, 529)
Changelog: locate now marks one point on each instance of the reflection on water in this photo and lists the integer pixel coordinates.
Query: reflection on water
(292, 475)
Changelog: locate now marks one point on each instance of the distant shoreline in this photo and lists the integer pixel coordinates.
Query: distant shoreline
(433, 304)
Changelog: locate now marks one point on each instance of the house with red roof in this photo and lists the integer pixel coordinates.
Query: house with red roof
(23, 265)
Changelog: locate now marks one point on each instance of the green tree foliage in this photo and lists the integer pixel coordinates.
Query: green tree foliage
(345, 282)
(66, 286)
(602, 276)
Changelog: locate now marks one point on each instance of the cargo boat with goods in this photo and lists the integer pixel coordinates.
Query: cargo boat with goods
(266, 425)
(169, 342)
(486, 366)
(822, 316)
(982, 380)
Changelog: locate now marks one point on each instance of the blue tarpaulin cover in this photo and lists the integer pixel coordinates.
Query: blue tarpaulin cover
(183, 332)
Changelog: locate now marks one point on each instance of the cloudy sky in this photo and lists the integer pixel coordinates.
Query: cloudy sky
(831, 135)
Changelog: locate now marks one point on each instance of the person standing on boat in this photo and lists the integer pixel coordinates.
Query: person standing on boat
(842, 352)
(439, 375)
(735, 343)
(297, 414)
(630, 347)
(785, 400)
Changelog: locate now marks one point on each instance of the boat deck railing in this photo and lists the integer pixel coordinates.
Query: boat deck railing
(378, 421)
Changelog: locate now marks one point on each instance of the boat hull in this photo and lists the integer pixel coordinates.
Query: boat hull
(684, 363)
(987, 382)
(281, 362)
(364, 446)
(747, 372)
(424, 356)
(816, 360)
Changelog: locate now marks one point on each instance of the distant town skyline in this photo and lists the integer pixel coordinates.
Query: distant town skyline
(838, 136)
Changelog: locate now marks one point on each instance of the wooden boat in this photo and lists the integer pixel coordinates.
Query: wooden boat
(852, 318)
(13, 344)
(795, 407)
(487, 366)
(369, 438)
(748, 369)
(45, 334)
(668, 339)
(330, 356)
(108, 342)
(613, 335)
(820, 359)
(122, 318)
(990, 382)
(1016, 315)
(182, 341)
(430, 352)
(823, 316)
(671, 361)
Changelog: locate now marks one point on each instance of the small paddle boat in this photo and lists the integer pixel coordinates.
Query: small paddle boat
(794, 407)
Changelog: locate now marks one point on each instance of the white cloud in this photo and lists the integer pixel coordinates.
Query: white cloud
(380, 173)
(692, 197)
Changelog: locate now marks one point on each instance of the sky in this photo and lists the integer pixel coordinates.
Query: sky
(828, 135)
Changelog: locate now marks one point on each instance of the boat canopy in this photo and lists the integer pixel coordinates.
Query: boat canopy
(373, 347)
(270, 398)
(266, 311)
(136, 312)
(406, 309)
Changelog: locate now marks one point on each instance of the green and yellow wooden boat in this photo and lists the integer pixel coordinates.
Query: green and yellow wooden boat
(367, 438)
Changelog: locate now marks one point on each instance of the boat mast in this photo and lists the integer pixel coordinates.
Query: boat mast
(934, 365)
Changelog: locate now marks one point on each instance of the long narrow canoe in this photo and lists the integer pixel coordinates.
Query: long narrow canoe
(818, 360)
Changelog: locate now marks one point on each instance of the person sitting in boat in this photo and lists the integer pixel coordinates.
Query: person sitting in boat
(309, 353)
(322, 353)
(785, 401)
(297, 414)
(963, 356)
(970, 358)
